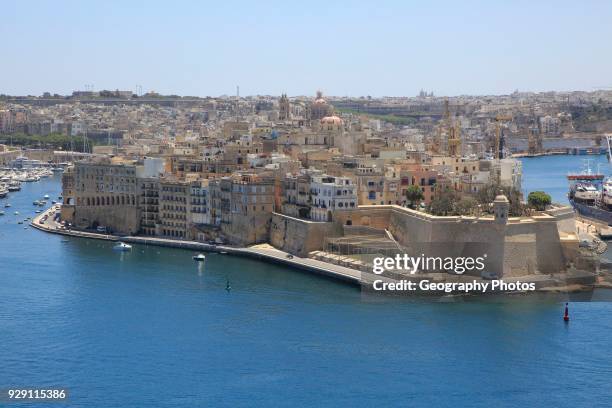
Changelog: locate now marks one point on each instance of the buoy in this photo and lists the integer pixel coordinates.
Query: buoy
(566, 314)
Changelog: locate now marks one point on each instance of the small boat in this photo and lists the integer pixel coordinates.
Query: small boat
(199, 258)
(46, 196)
(37, 211)
(122, 246)
(223, 252)
(7, 205)
(36, 202)
(19, 222)
(16, 212)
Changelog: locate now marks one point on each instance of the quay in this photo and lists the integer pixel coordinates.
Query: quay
(265, 253)
(569, 282)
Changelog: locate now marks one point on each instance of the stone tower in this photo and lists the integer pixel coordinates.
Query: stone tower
(284, 108)
(501, 208)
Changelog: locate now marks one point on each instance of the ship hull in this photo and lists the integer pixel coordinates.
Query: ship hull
(591, 212)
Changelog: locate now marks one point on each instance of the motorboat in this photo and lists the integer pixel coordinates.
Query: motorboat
(122, 246)
(46, 196)
(1, 212)
(7, 205)
(584, 192)
(199, 258)
(14, 186)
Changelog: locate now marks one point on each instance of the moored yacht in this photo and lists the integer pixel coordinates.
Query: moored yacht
(606, 193)
(585, 193)
(14, 185)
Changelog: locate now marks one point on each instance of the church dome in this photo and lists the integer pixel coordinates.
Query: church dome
(332, 120)
(319, 100)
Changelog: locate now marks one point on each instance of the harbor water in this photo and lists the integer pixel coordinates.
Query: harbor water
(151, 327)
(549, 173)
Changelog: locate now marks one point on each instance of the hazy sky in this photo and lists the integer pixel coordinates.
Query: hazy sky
(343, 48)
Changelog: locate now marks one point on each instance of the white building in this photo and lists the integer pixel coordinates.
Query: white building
(329, 194)
(199, 202)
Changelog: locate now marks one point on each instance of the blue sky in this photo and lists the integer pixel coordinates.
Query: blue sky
(343, 48)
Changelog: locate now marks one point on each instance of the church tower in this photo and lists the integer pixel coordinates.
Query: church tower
(284, 108)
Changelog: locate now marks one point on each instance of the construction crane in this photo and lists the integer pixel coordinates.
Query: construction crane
(498, 136)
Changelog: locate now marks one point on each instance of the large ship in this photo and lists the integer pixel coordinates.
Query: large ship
(590, 195)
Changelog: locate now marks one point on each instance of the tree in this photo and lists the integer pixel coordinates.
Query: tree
(414, 195)
(443, 202)
(538, 200)
(487, 194)
(466, 206)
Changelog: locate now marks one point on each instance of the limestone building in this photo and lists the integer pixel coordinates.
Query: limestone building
(106, 196)
(173, 208)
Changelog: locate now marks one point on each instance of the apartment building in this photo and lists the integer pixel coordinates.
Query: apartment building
(329, 193)
(174, 208)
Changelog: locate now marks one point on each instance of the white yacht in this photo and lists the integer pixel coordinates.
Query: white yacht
(199, 258)
(122, 246)
(585, 192)
(14, 185)
(606, 193)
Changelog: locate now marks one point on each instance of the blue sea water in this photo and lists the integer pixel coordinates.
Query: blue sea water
(549, 173)
(151, 329)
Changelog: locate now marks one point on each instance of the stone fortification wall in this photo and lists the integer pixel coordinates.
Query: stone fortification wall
(521, 246)
(300, 237)
(247, 230)
(119, 219)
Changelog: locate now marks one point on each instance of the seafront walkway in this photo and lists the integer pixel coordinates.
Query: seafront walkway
(263, 252)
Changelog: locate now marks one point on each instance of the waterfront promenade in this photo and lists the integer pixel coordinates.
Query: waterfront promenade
(263, 252)
(571, 281)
